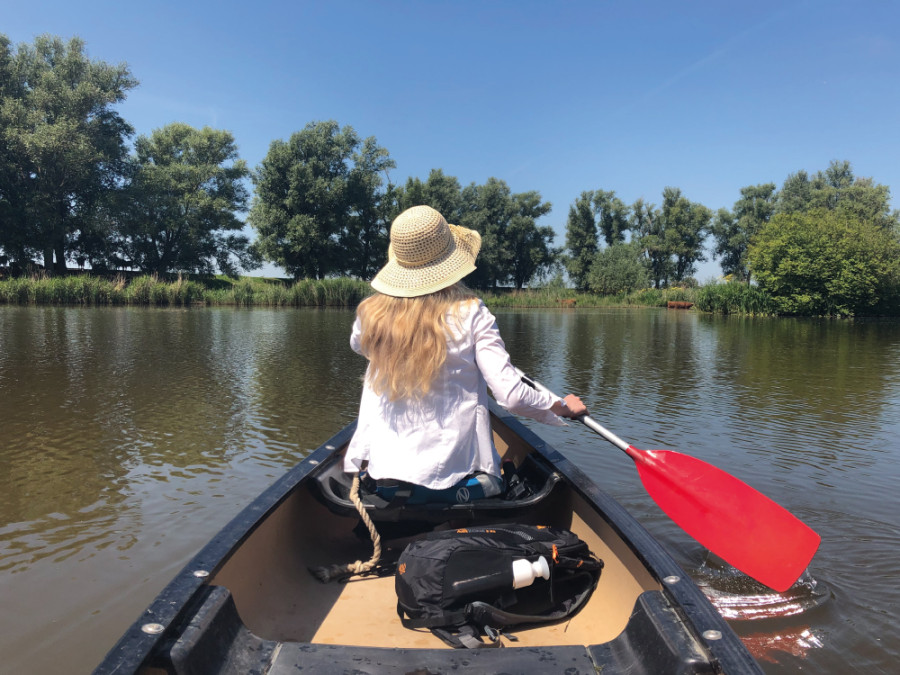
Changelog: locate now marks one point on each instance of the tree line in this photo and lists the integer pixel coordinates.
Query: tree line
(74, 188)
(666, 242)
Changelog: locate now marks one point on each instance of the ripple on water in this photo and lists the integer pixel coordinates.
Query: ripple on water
(740, 598)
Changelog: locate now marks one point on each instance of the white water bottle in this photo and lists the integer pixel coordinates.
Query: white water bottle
(525, 571)
(522, 573)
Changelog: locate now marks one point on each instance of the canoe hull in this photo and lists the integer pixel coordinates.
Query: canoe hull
(245, 603)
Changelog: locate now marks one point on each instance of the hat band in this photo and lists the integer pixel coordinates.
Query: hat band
(451, 241)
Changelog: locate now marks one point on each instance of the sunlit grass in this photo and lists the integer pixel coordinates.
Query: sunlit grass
(152, 291)
(567, 298)
(88, 290)
(735, 298)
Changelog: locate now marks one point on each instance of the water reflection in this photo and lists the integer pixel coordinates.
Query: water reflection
(129, 436)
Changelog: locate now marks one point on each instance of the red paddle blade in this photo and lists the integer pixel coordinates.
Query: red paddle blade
(739, 524)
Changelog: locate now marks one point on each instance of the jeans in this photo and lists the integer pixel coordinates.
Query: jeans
(476, 486)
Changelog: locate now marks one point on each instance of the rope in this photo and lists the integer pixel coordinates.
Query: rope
(330, 572)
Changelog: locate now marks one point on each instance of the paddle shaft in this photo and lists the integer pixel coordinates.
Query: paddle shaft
(727, 516)
(587, 420)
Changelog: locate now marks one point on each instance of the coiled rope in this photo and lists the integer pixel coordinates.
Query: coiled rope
(330, 572)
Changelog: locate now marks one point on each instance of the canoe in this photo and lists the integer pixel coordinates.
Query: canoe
(247, 602)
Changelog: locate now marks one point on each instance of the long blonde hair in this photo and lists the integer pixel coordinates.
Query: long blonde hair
(405, 339)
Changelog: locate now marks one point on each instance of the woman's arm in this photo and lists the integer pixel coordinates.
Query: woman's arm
(496, 366)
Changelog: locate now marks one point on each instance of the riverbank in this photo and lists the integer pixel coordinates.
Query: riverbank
(88, 290)
(216, 291)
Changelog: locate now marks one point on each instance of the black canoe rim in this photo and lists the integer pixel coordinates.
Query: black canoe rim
(133, 648)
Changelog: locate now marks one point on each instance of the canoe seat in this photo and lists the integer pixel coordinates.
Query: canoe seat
(534, 481)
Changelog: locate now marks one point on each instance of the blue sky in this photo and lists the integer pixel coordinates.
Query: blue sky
(558, 97)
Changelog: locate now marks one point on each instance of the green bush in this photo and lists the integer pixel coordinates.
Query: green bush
(827, 263)
(652, 297)
(618, 269)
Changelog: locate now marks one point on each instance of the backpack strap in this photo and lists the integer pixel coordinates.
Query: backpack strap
(467, 636)
(454, 629)
(443, 619)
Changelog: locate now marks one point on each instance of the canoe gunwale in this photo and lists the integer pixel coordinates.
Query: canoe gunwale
(693, 609)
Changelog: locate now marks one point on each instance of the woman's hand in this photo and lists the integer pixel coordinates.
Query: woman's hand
(573, 407)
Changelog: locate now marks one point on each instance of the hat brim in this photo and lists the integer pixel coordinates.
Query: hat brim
(409, 282)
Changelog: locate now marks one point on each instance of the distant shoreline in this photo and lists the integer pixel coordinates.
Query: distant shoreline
(133, 290)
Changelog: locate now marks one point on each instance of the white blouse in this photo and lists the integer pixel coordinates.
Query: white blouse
(441, 439)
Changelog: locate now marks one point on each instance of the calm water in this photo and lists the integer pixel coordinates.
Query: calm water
(129, 436)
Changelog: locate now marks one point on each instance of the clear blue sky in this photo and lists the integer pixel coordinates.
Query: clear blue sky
(558, 97)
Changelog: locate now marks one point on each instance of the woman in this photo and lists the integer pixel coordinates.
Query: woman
(433, 350)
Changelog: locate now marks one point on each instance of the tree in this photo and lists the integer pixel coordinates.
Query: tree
(531, 255)
(187, 186)
(827, 262)
(733, 230)
(685, 225)
(66, 142)
(837, 189)
(364, 239)
(581, 239)
(308, 190)
(646, 225)
(619, 268)
(672, 236)
(441, 192)
(488, 210)
(611, 215)
(13, 221)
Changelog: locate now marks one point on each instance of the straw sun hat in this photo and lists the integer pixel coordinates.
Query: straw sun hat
(426, 254)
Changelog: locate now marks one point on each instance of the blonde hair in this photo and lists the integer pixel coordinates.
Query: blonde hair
(405, 339)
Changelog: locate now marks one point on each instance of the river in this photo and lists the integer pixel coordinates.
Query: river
(129, 436)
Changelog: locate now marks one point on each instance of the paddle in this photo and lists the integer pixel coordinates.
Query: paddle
(740, 525)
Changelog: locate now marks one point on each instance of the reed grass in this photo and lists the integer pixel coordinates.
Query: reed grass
(735, 298)
(567, 298)
(150, 291)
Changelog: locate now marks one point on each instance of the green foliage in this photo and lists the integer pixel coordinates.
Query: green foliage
(63, 144)
(529, 254)
(254, 292)
(611, 215)
(837, 189)
(826, 262)
(733, 230)
(581, 239)
(618, 269)
(685, 225)
(652, 297)
(441, 192)
(513, 248)
(553, 296)
(734, 298)
(672, 236)
(319, 208)
(150, 290)
(186, 188)
(593, 211)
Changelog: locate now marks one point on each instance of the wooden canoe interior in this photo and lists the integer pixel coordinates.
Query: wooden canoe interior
(278, 599)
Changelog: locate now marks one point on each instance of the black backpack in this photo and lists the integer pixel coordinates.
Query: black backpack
(459, 583)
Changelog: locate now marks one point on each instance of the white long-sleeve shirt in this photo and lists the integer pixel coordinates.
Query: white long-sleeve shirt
(442, 438)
